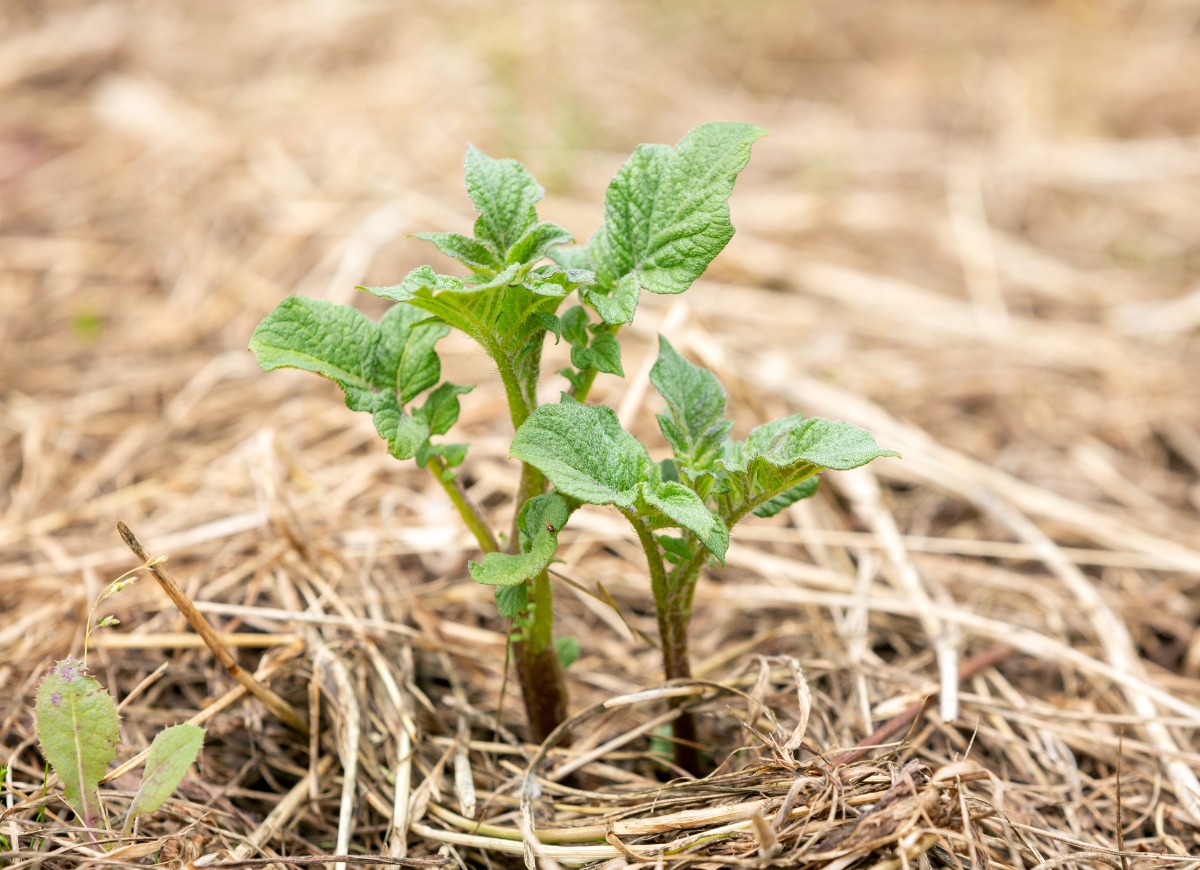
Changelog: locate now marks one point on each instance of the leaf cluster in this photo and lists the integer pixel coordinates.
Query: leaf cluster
(712, 481)
(666, 216)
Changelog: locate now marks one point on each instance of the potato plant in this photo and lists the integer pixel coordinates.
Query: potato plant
(666, 217)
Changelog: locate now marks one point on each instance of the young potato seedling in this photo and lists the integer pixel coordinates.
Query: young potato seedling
(666, 217)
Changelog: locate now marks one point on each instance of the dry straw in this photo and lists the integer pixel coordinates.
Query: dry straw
(976, 239)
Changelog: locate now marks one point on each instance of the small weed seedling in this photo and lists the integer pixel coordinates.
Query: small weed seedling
(666, 217)
(77, 725)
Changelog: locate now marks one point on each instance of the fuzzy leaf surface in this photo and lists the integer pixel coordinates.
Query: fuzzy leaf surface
(684, 508)
(575, 257)
(779, 456)
(505, 195)
(497, 313)
(588, 456)
(171, 754)
(471, 252)
(553, 281)
(540, 522)
(512, 601)
(334, 341)
(404, 434)
(379, 366)
(584, 452)
(441, 408)
(786, 442)
(675, 549)
(591, 347)
(694, 423)
(537, 242)
(77, 726)
(417, 365)
(504, 569)
(666, 216)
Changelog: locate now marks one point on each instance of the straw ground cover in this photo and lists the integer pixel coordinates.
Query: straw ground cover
(980, 246)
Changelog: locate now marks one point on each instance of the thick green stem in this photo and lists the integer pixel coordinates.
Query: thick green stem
(519, 407)
(543, 686)
(686, 574)
(469, 513)
(539, 671)
(543, 690)
(672, 606)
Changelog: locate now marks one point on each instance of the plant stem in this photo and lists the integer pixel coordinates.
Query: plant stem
(672, 606)
(543, 687)
(580, 393)
(519, 407)
(458, 497)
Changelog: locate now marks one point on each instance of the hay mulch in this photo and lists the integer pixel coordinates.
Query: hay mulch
(973, 230)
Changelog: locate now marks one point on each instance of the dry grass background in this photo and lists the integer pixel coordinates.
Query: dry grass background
(973, 229)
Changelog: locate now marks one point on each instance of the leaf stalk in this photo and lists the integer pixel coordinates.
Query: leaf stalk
(458, 497)
(672, 607)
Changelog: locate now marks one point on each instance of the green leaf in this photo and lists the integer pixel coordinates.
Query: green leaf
(512, 601)
(575, 378)
(686, 509)
(379, 366)
(472, 253)
(694, 423)
(604, 354)
(551, 323)
(553, 281)
(616, 304)
(422, 278)
(592, 347)
(172, 752)
(497, 313)
(540, 521)
(821, 443)
(504, 569)
(666, 215)
(441, 408)
(779, 456)
(568, 651)
(452, 454)
(584, 452)
(542, 513)
(404, 434)
(537, 242)
(572, 258)
(505, 195)
(675, 549)
(412, 347)
(334, 341)
(77, 726)
(574, 323)
(787, 498)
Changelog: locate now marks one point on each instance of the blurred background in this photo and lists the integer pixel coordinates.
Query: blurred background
(981, 218)
(974, 228)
